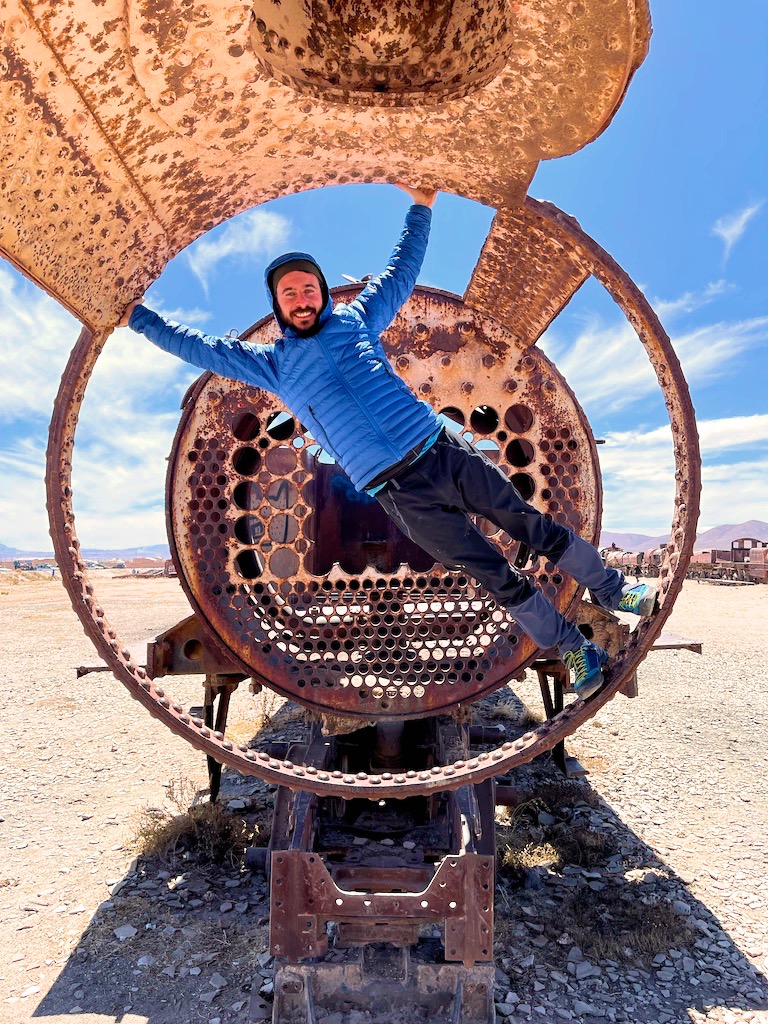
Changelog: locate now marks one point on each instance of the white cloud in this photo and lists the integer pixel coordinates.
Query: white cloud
(36, 336)
(247, 237)
(734, 432)
(638, 475)
(733, 225)
(688, 302)
(23, 519)
(607, 366)
(193, 317)
(127, 421)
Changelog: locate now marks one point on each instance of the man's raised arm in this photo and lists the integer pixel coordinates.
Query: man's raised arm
(383, 296)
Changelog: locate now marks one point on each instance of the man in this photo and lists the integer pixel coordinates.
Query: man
(331, 371)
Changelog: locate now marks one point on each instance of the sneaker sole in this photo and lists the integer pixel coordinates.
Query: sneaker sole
(647, 606)
(591, 686)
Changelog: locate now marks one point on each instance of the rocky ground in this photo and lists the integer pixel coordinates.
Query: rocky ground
(637, 895)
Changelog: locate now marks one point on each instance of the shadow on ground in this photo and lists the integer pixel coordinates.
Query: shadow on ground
(591, 924)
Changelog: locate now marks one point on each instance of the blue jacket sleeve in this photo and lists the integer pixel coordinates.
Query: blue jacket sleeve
(384, 295)
(229, 357)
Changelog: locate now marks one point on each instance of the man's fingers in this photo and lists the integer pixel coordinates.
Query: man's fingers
(123, 321)
(422, 196)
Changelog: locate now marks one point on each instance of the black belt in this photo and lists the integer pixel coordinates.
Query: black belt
(389, 474)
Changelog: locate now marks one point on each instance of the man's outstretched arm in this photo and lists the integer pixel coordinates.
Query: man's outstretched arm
(229, 357)
(384, 295)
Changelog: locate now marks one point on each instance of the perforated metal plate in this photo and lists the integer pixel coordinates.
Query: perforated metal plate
(306, 580)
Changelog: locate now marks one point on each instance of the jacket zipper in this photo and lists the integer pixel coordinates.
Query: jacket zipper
(377, 430)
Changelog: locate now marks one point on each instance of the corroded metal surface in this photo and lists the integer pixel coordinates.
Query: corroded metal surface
(521, 252)
(308, 582)
(457, 894)
(451, 776)
(130, 129)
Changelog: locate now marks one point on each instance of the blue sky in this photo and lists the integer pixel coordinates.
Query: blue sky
(676, 190)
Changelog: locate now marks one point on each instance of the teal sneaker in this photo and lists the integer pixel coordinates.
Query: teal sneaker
(586, 664)
(640, 600)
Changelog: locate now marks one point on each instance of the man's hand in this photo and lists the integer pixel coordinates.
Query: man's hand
(123, 321)
(420, 196)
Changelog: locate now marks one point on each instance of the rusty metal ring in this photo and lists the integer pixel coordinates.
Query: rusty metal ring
(448, 777)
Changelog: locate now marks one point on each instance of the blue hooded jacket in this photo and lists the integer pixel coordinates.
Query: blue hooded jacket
(337, 380)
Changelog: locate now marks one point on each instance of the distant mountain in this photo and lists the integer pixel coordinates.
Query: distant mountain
(721, 537)
(631, 541)
(718, 537)
(160, 551)
(149, 551)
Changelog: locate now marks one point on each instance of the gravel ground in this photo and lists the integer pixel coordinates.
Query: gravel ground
(672, 821)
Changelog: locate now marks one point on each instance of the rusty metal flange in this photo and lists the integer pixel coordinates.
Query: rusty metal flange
(532, 224)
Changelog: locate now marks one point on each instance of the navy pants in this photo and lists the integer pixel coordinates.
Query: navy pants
(431, 502)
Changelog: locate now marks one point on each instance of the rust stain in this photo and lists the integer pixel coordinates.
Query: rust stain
(132, 129)
(122, 90)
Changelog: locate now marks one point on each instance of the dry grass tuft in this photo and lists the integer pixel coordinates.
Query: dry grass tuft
(514, 858)
(516, 846)
(521, 842)
(205, 830)
(555, 795)
(531, 719)
(582, 846)
(519, 715)
(615, 924)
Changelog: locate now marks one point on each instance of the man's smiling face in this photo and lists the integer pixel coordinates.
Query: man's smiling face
(299, 299)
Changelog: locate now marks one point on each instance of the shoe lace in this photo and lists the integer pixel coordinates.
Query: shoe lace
(576, 661)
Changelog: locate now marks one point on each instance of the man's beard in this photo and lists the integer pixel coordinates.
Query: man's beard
(308, 328)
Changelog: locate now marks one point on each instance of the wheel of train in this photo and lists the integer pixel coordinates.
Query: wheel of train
(303, 580)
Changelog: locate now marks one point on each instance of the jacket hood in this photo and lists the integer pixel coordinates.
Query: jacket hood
(307, 263)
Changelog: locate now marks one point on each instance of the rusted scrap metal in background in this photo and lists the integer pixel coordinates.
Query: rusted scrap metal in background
(128, 137)
(746, 561)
